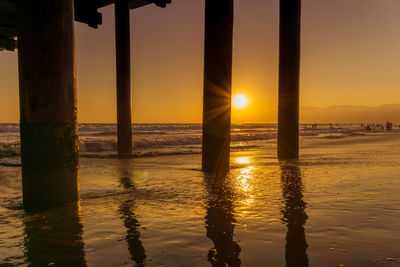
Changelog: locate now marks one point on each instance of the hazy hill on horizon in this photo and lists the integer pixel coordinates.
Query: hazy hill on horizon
(308, 114)
(351, 114)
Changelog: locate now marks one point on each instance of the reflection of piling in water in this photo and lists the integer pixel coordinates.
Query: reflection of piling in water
(54, 237)
(294, 216)
(49, 144)
(135, 246)
(289, 73)
(217, 82)
(220, 224)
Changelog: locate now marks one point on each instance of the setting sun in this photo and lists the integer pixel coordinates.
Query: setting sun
(240, 101)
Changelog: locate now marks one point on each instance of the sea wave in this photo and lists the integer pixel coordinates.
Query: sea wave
(142, 154)
(97, 145)
(156, 139)
(177, 141)
(9, 149)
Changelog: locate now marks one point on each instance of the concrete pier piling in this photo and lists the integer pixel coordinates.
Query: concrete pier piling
(123, 60)
(289, 72)
(217, 84)
(49, 143)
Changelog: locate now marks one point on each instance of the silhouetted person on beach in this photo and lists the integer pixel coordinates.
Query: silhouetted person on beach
(389, 126)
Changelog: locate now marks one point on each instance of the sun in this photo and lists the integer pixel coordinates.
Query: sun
(239, 101)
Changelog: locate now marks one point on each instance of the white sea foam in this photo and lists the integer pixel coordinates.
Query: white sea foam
(160, 139)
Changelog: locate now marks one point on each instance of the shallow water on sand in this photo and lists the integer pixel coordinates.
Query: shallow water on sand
(340, 204)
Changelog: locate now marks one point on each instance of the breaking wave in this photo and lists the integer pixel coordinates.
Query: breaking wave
(99, 140)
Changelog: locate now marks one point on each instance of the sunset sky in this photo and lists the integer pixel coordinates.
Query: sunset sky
(350, 55)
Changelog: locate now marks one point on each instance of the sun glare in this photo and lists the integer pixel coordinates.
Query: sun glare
(243, 160)
(240, 101)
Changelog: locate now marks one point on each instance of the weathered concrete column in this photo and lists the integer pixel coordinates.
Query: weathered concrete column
(289, 72)
(123, 60)
(49, 144)
(217, 84)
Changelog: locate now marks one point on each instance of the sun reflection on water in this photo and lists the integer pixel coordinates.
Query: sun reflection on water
(244, 180)
(243, 160)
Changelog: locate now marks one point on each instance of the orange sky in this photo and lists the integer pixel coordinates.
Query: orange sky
(350, 55)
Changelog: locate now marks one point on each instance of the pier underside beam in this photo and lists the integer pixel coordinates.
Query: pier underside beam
(123, 60)
(289, 72)
(217, 85)
(48, 123)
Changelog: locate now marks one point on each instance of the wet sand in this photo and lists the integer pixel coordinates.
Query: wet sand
(338, 205)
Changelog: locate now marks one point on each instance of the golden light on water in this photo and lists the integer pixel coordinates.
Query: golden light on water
(244, 175)
(239, 101)
(243, 160)
(244, 178)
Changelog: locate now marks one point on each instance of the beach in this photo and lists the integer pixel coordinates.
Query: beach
(338, 205)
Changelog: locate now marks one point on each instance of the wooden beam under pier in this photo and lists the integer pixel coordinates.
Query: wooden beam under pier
(86, 10)
(8, 24)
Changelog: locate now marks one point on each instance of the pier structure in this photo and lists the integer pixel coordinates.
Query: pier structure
(87, 12)
(218, 41)
(48, 113)
(44, 33)
(289, 77)
(123, 61)
(8, 24)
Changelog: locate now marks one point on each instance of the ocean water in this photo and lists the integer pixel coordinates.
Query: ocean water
(99, 140)
(339, 205)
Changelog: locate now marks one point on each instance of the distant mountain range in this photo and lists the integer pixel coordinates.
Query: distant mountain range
(351, 114)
